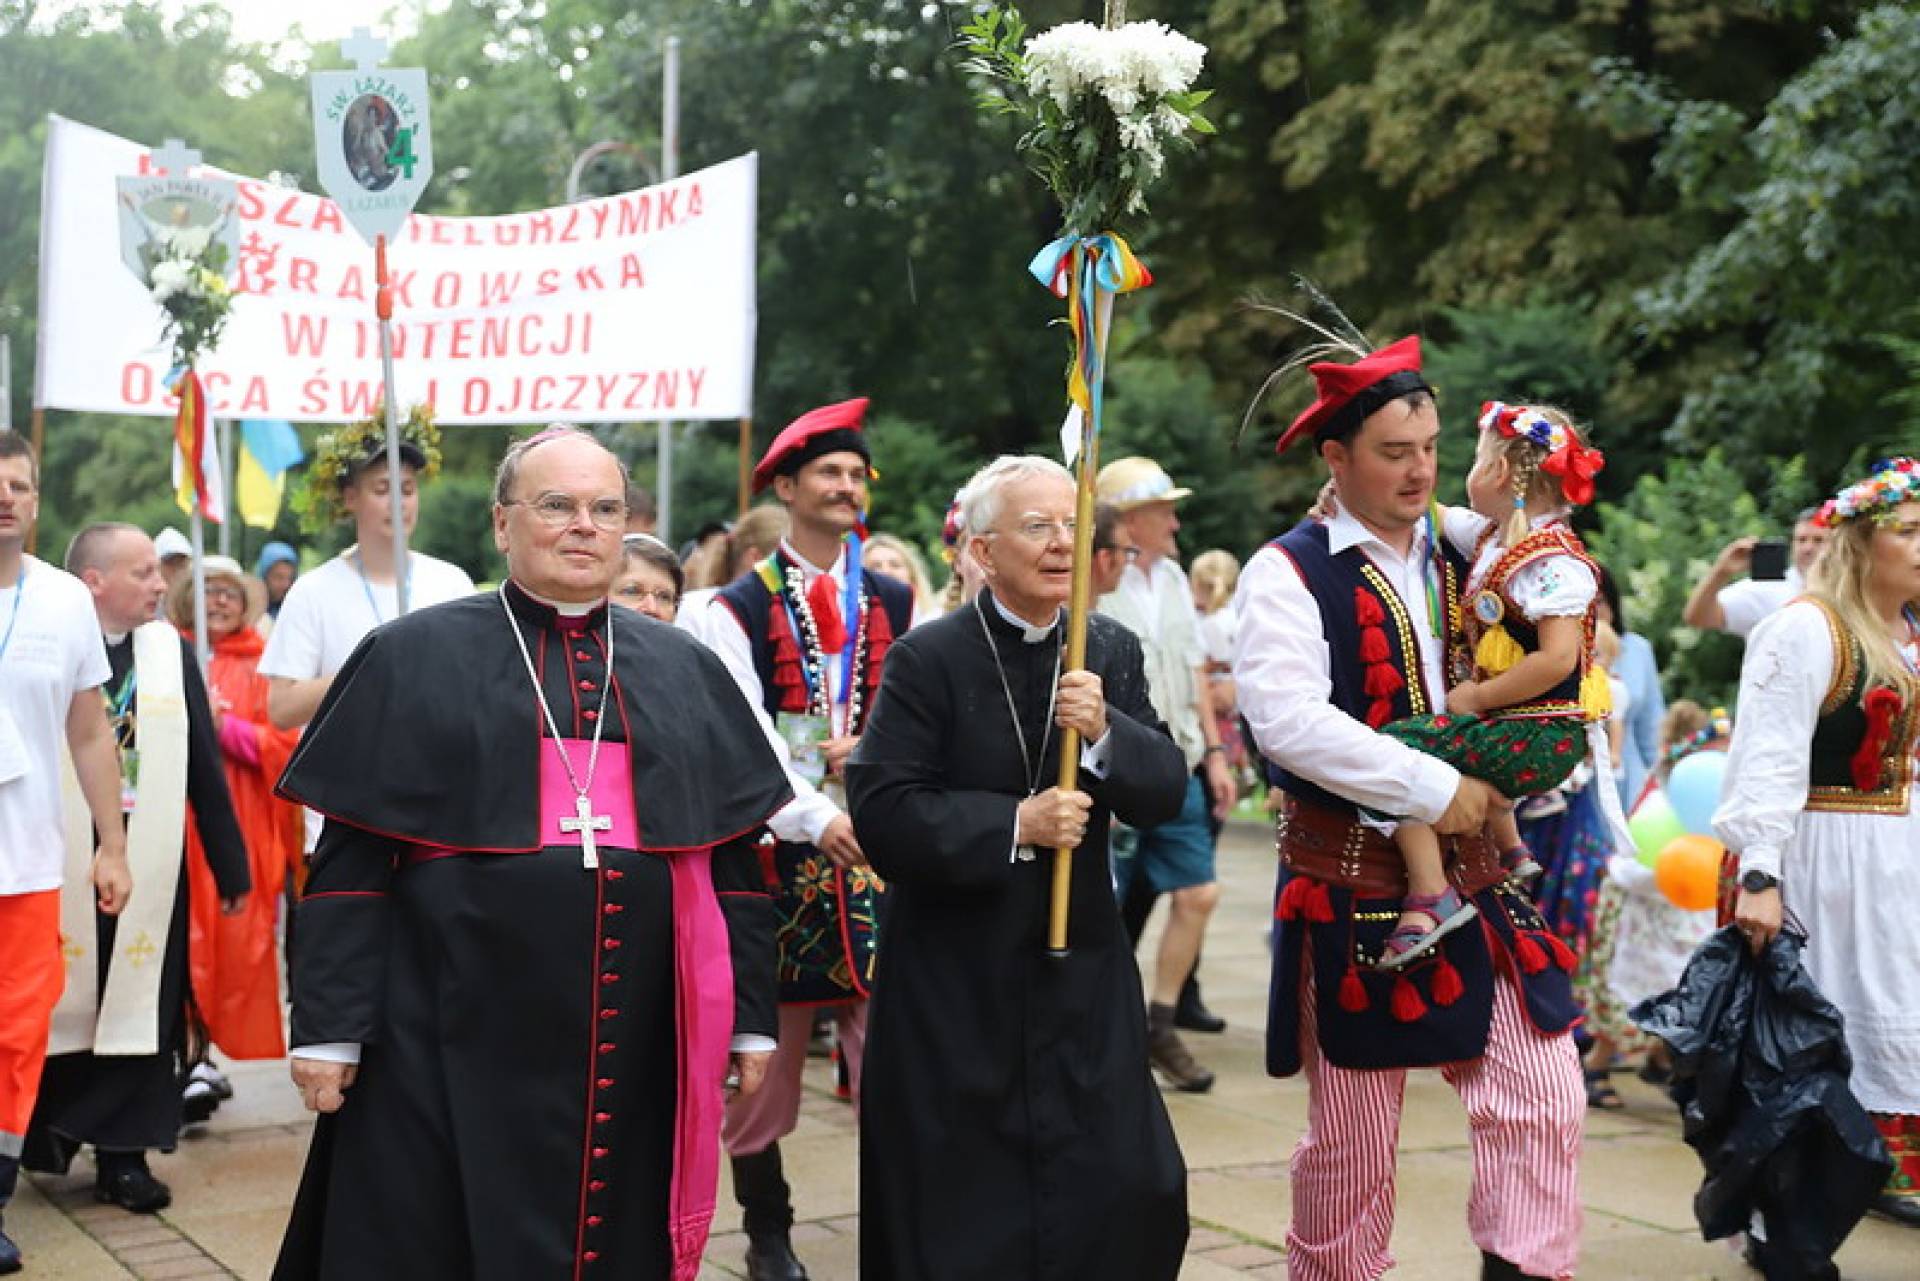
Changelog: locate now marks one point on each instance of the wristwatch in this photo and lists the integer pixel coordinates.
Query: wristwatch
(1758, 882)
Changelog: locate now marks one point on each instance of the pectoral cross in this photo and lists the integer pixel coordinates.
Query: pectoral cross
(586, 823)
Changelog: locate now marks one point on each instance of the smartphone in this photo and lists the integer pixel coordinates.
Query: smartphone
(1770, 559)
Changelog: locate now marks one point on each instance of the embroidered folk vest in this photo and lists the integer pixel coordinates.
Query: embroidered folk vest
(1864, 741)
(1487, 624)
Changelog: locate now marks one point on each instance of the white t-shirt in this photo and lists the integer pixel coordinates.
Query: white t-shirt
(1752, 601)
(55, 652)
(1157, 607)
(328, 613)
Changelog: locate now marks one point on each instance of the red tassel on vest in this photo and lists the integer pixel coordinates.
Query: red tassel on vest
(1882, 705)
(1527, 950)
(1366, 610)
(1563, 955)
(1448, 986)
(1407, 1007)
(1373, 646)
(1383, 681)
(1353, 993)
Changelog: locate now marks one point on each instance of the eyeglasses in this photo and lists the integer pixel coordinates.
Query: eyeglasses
(557, 511)
(664, 597)
(1044, 531)
(221, 591)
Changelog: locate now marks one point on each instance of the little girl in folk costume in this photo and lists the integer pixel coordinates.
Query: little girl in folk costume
(1521, 722)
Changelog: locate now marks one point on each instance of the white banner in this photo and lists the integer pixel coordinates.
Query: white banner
(636, 307)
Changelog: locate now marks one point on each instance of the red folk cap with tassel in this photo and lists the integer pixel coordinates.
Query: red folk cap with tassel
(829, 429)
(1347, 394)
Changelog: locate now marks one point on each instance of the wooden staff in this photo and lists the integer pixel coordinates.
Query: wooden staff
(1077, 608)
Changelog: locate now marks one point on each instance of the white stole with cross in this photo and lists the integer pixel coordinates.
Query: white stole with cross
(125, 1018)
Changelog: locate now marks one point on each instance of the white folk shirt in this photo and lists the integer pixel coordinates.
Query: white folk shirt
(56, 653)
(1282, 672)
(1752, 601)
(804, 819)
(328, 612)
(1156, 605)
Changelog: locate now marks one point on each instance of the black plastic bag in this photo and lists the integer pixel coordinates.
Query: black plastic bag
(1760, 1067)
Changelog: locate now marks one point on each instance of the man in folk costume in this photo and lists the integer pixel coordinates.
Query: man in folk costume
(1348, 622)
(52, 666)
(805, 634)
(116, 1053)
(536, 927)
(1009, 1129)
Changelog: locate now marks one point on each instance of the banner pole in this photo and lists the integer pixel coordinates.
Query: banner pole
(383, 308)
(223, 438)
(746, 465)
(202, 651)
(37, 429)
(669, 170)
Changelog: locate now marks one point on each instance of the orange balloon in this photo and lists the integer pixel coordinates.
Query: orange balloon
(1688, 872)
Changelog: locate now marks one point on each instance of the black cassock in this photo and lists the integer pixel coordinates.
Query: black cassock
(1009, 1125)
(127, 1103)
(519, 1108)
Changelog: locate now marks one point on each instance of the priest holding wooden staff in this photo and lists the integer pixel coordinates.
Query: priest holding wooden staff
(1011, 1128)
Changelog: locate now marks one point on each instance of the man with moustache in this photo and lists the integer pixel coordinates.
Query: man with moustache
(536, 929)
(805, 634)
(116, 1057)
(1349, 621)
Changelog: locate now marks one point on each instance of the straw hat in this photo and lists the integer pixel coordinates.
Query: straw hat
(1128, 483)
(179, 609)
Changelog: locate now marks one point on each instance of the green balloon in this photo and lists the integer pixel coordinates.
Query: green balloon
(1653, 826)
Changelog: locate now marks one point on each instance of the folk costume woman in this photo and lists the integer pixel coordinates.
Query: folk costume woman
(1822, 804)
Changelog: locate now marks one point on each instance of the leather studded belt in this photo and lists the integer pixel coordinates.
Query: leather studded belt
(1333, 846)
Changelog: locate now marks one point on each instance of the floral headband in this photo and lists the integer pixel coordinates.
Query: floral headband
(1574, 463)
(1894, 481)
(1719, 727)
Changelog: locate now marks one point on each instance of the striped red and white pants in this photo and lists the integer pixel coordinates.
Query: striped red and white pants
(1526, 1108)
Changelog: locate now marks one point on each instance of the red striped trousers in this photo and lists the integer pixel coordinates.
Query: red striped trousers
(1526, 1107)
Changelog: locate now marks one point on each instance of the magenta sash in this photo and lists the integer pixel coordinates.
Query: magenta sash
(703, 988)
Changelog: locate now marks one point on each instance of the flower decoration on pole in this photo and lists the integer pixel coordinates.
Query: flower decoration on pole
(1102, 107)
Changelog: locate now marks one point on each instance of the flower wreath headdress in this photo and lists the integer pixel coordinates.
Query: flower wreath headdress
(1892, 482)
(338, 454)
(1567, 458)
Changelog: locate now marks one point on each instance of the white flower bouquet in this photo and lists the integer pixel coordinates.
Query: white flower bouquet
(1102, 106)
(186, 280)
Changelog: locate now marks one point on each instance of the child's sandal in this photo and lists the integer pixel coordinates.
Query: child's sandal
(1408, 943)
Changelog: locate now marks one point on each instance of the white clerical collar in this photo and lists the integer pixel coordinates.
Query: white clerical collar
(114, 638)
(566, 609)
(809, 570)
(1344, 531)
(1028, 632)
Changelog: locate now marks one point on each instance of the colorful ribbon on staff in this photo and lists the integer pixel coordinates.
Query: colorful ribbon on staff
(193, 453)
(1079, 269)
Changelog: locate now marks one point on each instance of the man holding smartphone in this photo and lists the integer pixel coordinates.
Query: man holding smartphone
(1775, 573)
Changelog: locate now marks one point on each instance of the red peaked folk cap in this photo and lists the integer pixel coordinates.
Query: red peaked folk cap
(826, 430)
(1347, 394)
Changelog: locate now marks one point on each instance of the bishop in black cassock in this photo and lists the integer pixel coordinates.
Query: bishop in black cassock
(1010, 1126)
(542, 1014)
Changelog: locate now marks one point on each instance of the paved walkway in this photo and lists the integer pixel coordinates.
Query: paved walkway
(232, 1180)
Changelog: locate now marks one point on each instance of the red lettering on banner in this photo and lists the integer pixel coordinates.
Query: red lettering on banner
(633, 213)
(472, 238)
(529, 341)
(549, 282)
(495, 337)
(304, 334)
(461, 348)
(327, 217)
(283, 216)
(601, 212)
(215, 383)
(497, 288)
(631, 276)
(669, 208)
(588, 278)
(666, 389)
(251, 206)
(695, 206)
(696, 379)
(403, 287)
(540, 229)
(136, 380)
(446, 289)
(356, 399)
(353, 285)
(604, 388)
(255, 399)
(636, 388)
(440, 232)
(507, 233)
(578, 384)
(540, 400)
(303, 276)
(586, 332)
(313, 394)
(473, 400)
(573, 224)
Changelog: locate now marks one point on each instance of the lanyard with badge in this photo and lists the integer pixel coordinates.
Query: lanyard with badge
(13, 748)
(125, 728)
(806, 734)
